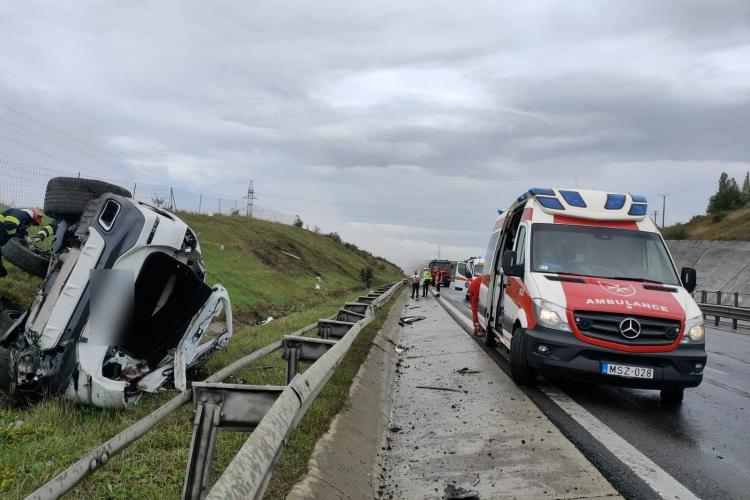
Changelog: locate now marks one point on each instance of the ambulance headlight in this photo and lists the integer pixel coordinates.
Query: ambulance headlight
(551, 315)
(695, 333)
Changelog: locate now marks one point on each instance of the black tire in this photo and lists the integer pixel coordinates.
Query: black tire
(4, 370)
(520, 371)
(67, 197)
(672, 397)
(489, 337)
(30, 260)
(7, 318)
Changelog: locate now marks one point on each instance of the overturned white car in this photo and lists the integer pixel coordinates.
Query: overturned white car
(123, 308)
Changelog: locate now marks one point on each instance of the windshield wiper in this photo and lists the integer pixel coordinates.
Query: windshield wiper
(641, 280)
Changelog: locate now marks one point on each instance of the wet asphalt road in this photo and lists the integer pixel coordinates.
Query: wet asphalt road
(704, 444)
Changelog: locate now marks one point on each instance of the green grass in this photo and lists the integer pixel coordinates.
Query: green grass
(39, 441)
(732, 225)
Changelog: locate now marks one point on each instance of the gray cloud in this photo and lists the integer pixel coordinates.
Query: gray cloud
(402, 126)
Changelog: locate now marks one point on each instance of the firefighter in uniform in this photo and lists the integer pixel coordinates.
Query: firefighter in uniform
(15, 222)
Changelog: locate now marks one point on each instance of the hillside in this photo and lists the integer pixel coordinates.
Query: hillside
(733, 225)
(246, 256)
(40, 440)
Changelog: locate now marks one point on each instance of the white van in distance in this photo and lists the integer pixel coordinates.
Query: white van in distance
(580, 284)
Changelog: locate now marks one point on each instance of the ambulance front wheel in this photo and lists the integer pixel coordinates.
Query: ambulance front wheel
(520, 371)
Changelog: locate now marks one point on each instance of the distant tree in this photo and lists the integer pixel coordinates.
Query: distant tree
(298, 221)
(746, 189)
(335, 237)
(728, 197)
(158, 201)
(316, 229)
(366, 275)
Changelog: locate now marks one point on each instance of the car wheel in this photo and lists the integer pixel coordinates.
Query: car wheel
(520, 371)
(672, 397)
(67, 197)
(26, 257)
(4, 370)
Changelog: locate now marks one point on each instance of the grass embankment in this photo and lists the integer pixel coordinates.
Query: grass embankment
(733, 226)
(39, 441)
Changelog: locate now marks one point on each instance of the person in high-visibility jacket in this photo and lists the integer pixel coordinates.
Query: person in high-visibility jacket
(14, 223)
(426, 278)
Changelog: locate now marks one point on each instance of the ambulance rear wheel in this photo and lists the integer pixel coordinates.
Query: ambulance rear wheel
(520, 371)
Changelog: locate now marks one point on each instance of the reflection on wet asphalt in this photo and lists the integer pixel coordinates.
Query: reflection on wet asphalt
(705, 444)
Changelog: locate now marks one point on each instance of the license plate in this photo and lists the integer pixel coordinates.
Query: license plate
(627, 371)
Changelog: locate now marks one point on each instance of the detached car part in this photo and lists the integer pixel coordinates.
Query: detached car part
(123, 308)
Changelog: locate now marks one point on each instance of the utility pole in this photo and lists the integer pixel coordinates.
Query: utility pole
(438, 252)
(663, 209)
(656, 217)
(250, 198)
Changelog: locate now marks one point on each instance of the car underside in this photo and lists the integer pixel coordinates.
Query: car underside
(123, 308)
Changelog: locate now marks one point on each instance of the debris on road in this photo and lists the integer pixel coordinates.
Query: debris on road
(438, 388)
(466, 371)
(407, 320)
(394, 428)
(453, 492)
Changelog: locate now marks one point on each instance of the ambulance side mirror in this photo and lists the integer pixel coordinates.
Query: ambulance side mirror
(510, 268)
(689, 279)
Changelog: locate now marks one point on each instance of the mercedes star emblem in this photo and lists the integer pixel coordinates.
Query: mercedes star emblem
(630, 328)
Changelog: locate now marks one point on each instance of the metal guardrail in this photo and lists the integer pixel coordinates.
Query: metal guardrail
(248, 474)
(102, 454)
(730, 312)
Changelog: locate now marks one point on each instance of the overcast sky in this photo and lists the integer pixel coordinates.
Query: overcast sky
(401, 125)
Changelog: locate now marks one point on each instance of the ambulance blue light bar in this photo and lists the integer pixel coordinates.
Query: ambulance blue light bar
(638, 198)
(541, 192)
(615, 202)
(573, 198)
(550, 202)
(638, 209)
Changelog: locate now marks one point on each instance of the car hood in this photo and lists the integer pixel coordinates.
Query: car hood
(579, 293)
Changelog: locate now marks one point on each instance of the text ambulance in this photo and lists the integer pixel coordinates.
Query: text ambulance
(579, 284)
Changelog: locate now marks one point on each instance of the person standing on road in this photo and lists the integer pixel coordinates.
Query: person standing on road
(474, 286)
(415, 281)
(438, 281)
(13, 224)
(426, 278)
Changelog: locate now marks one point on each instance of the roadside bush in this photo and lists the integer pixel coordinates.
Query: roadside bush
(676, 232)
(718, 217)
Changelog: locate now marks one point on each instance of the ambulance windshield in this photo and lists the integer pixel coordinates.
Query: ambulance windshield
(601, 252)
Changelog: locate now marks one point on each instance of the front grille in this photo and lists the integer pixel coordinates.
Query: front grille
(606, 326)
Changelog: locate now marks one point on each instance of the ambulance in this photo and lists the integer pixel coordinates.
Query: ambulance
(580, 285)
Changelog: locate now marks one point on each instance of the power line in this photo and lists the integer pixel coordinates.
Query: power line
(54, 129)
(77, 167)
(59, 143)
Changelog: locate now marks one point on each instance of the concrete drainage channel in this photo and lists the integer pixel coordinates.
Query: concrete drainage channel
(270, 412)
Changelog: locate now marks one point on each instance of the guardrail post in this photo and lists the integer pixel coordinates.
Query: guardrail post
(205, 426)
(736, 304)
(718, 302)
(703, 296)
(292, 354)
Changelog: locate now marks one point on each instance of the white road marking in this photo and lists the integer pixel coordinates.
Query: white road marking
(715, 370)
(653, 475)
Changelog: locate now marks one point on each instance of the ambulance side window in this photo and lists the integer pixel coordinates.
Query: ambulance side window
(521, 246)
(492, 248)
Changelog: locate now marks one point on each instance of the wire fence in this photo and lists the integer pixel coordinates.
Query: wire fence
(24, 185)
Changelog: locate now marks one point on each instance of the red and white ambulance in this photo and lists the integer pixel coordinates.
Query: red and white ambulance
(580, 284)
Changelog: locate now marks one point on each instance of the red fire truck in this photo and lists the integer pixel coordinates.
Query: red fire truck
(441, 270)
